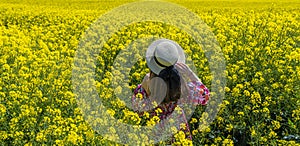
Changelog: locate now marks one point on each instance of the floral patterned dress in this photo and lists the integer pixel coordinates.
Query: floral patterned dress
(198, 95)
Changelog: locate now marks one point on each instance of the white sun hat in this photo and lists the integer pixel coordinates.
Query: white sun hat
(163, 53)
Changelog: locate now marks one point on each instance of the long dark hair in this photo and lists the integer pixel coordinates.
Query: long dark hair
(172, 78)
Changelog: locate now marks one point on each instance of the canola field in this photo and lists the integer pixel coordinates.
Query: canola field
(259, 40)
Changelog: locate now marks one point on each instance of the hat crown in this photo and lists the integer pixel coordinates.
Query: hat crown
(166, 53)
(163, 53)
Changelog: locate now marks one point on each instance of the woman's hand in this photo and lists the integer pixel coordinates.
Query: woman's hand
(186, 71)
(183, 68)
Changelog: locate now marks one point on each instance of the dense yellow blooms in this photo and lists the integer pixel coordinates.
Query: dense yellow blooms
(39, 39)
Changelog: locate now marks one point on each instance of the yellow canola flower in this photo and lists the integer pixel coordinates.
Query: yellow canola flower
(4, 135)
(178, 110)
(272, 134)
(241, 113)
(158, 111)
(2, 109)
(174, 129)
(59, 142)
(111, 112)
(40, 137)
(227, 142)
(193, 120)
(260, 49)
(276, 125)
(139, 95)
(194, 132)
(183, 125)
(253, 132)
(146, 114)
(74, 138)
(229, 127)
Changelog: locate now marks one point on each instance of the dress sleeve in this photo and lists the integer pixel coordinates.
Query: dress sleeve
(140, 101)
(199, 93)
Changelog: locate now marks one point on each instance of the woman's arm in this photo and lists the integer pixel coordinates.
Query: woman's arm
(193, 77)
(187, 72)
(198, 93)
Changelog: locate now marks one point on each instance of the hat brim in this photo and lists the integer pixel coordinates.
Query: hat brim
(154, 67)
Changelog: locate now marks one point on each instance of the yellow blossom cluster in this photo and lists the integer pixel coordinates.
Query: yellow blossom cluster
(39, 39)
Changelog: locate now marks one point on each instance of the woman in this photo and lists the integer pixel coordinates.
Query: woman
(169, 83)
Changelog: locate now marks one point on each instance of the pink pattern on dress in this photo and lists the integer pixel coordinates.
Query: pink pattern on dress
(198, 92)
